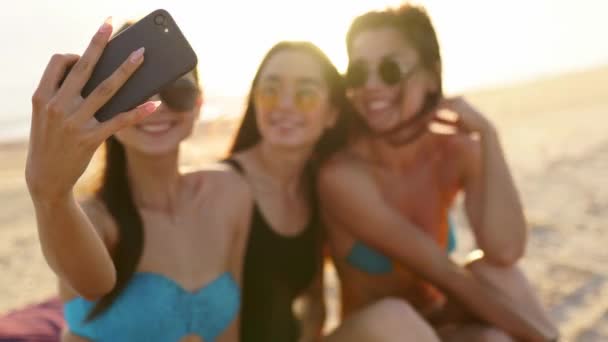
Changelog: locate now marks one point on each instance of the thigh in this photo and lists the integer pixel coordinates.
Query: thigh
(472, 333)
(386, 320)
(39, 322)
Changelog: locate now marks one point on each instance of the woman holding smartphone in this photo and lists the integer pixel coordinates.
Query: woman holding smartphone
(199, 228)
(154, 254)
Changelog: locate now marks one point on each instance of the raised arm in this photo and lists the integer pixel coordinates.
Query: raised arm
(492, 202)
(63, 137)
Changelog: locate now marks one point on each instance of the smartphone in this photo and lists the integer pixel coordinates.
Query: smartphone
(167, 57)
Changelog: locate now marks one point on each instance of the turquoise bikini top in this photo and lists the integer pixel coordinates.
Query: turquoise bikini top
(371, 261)
(156, 308)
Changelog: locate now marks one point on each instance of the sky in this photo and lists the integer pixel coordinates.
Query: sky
(483, 42)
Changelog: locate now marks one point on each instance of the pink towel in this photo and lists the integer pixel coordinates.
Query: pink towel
(40, 322)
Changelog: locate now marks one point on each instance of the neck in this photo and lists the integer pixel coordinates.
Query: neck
(154, 179)
(283, 167)
(387, 154)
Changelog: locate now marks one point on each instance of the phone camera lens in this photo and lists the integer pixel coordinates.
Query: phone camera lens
(159, 19)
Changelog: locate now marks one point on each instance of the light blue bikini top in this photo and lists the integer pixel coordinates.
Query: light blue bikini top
(371, 261)
(156, 308)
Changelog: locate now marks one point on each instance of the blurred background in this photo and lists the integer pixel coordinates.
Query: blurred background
(537, 68)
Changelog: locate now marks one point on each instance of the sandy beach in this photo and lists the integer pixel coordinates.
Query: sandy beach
(555, 134)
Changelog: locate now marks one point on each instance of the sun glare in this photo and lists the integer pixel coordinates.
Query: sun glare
(483, 43)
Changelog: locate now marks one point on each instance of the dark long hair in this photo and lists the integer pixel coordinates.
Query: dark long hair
(115, 193)
(333, 138)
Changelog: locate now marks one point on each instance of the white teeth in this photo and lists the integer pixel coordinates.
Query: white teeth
(286, 124)
(155, 128)
(379, 105)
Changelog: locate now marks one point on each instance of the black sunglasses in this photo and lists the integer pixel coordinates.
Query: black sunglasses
(180, 95)
(389, 71)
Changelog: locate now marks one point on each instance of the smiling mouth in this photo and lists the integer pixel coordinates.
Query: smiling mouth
(285, 124)
(379, 107)
(156, 127)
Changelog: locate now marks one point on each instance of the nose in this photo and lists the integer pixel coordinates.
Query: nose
(373, 80)
(286, 101)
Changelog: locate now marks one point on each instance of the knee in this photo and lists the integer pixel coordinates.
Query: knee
(493, 335)
(502, 259)
(392, 317)
(393, 310)
(510, 279)
(505, 258)
(487, 269)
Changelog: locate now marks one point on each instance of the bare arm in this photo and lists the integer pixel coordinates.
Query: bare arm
(73, 248)
(63, 137)
(492, 202)
(350, 197)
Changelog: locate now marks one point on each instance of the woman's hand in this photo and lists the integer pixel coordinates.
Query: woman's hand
(64, 134)
(459, 113)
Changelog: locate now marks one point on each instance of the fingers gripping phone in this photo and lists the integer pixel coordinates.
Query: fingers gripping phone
(168, 56)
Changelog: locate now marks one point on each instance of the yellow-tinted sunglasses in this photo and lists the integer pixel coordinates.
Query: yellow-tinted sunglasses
(305, 99)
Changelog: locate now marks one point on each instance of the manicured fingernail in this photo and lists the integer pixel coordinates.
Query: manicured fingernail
(137, 56)
(107, 26)
(151, 106)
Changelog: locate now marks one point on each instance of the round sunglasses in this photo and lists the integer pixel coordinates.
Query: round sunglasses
(180, 95)
(388, 70)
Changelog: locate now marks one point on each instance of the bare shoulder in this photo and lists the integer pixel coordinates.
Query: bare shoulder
(223, 180)
(101, 219)
(223, 185)
(344, 176)
(352, 161)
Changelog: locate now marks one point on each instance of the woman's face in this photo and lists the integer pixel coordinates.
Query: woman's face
(291, 100)
(386, 81)
(173, 121)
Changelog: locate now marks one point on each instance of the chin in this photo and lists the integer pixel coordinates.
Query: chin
(380, 127)
(284, 143)
(158, 151)
(386, 124)
(158, 147)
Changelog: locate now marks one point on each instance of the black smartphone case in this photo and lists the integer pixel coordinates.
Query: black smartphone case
(167, 57)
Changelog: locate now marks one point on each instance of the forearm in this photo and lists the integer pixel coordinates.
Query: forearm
(484, 301)
(503, 221)
(73, 248)
(492, 306)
